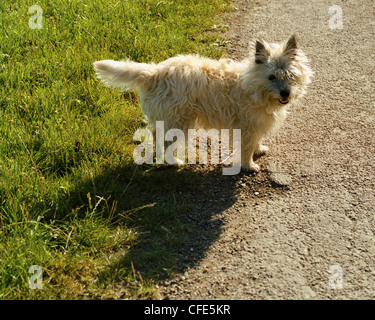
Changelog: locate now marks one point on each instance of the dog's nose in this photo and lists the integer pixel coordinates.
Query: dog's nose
(284, 93)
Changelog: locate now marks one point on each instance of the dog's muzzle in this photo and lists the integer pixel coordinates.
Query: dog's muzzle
(284, 96)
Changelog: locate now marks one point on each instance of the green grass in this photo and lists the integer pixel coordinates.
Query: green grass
(72, 200)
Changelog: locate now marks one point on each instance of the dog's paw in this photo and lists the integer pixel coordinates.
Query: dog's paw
(261, 150)
(254, 167)
(251, 167)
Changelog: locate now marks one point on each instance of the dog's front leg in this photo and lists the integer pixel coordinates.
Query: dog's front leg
(249, 145)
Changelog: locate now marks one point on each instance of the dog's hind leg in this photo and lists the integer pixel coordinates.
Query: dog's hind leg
(179, 131)
(166, 133)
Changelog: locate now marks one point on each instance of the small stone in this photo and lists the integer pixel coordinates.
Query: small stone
(281, 179)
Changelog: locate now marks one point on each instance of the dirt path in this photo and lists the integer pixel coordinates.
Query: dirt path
(253, 238)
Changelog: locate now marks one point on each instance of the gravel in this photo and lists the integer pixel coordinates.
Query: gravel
(277, 234)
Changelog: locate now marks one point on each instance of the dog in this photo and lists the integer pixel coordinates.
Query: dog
(191, 91)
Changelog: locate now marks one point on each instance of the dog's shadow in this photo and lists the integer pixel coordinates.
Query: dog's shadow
(175, 214)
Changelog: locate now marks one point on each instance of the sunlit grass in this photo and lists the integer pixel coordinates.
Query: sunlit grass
(72, 200)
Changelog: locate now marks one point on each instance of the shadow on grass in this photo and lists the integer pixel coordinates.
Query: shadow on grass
(177, 230)
(175, 213)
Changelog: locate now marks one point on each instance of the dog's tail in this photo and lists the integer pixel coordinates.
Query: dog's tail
(127, 75)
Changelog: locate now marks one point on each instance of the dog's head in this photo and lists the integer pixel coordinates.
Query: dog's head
(279, 73)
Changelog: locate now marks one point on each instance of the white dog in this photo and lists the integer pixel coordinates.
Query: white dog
(188, 92)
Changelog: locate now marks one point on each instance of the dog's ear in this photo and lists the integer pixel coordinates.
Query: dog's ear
(292, 44)
(261, 52)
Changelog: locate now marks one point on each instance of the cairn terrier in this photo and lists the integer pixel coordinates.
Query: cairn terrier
(191, 91)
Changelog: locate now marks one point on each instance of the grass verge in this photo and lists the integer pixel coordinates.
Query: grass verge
(72, 200)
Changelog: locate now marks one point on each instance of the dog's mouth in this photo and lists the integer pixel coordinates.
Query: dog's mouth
(284, 100)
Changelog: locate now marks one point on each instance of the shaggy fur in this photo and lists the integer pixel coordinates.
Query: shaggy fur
(188, 92)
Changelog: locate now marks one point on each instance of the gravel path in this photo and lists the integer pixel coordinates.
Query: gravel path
(276, 235)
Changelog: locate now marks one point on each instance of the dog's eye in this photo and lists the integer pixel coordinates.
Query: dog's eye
(271, 77)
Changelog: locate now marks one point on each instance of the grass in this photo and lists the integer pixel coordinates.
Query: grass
(71, 198)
